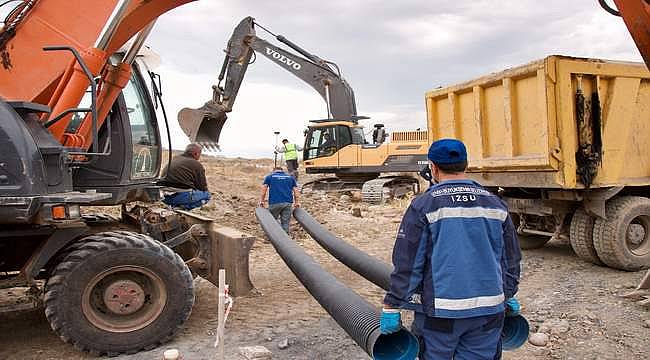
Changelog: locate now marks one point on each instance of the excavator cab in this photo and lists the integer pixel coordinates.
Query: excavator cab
(131, 168)
(326, 139)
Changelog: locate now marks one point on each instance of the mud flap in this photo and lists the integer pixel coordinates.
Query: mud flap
(203, 125)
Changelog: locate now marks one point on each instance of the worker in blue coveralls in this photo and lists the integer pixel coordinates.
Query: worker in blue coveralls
(283, 195)
(456, 261)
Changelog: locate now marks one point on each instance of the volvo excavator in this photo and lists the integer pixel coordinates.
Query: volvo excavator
(78, 128)
(334, 145)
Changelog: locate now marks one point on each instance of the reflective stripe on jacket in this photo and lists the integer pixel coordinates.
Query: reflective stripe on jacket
(456, 254)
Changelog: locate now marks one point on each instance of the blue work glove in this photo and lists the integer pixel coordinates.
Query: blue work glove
(390, 321)
(513, 308)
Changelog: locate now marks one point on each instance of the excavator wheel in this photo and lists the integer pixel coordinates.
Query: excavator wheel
(118, 292)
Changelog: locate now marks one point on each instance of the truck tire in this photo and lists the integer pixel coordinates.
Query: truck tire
(622, 239)
(118, 292)
(581, 236)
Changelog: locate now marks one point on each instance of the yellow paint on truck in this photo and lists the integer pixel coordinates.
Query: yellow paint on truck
(520, 125)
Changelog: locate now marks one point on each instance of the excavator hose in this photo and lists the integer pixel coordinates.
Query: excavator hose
(354, 314)
(375, 271)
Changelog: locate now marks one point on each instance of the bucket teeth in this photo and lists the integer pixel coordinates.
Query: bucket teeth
(210, 147)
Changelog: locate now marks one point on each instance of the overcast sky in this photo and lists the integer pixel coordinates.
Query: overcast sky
(390, 52)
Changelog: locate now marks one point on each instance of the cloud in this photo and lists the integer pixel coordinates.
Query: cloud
(391, 52)
(261, 109)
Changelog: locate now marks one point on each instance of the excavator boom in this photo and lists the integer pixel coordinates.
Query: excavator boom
(636, 15)
(204, 125)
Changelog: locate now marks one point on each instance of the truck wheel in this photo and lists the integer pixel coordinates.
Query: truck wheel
(119, 292)
(622, 240)
(581, 236)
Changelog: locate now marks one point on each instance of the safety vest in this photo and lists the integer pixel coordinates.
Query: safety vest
(290, 152)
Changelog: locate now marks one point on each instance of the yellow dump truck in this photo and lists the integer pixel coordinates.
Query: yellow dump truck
(566, 141)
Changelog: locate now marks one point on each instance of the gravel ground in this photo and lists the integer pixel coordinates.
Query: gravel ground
(576, 303)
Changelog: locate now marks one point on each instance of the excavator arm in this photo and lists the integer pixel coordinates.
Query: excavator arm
(244, 45)
(636, 15)
(95, 30)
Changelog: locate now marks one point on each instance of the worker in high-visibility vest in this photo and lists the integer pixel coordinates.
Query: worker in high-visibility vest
(290, 156)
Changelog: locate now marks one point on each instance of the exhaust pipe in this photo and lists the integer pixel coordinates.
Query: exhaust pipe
(373, 270)
(515, 328)
(354, 314)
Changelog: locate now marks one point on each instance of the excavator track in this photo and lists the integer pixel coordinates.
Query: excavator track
(378, 190)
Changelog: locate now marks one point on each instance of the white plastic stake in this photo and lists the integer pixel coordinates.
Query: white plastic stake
(221, 318)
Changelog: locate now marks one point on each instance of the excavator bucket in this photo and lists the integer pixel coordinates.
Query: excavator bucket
(642, 293)
(203, 125)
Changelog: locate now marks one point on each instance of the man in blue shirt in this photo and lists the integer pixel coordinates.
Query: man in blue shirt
(283, 192)
(456, 261)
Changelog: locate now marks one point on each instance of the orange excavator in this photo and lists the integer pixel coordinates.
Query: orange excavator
(636, 15)
(78, 127)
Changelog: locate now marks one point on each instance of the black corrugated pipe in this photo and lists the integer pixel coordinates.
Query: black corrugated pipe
(374, 270)
(515, 329)
(354, 314)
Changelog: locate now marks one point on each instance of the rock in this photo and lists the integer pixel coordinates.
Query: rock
(561, 327)
(257, 352)
(171, 354)
(345, 198)
(541, 352)
(356, 212)
(283, 344)
(538, 339)
(555, 327)
(396, 220)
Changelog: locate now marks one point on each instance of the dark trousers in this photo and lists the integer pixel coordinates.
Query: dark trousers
(292, 168)
(476, 338)
(282, 211)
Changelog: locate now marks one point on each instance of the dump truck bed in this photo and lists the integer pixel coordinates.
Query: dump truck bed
(523, 127)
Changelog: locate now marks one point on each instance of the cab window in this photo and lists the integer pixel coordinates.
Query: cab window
(344, 136)
(143, 134)
(320, 142)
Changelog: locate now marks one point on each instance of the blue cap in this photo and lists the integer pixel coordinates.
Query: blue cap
(447, 151)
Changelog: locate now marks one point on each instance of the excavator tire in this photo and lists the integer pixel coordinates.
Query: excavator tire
(118, 292)
(622, 239)
(581, 236)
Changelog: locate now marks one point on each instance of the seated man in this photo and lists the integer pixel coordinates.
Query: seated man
(186, 176)
(328, 146)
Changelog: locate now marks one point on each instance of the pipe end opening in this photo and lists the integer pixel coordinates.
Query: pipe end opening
(401, 345)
